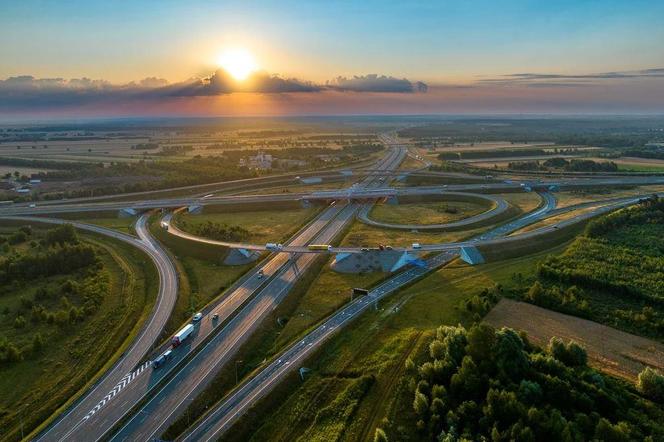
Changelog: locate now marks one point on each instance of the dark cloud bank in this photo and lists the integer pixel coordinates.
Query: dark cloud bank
(27, 92)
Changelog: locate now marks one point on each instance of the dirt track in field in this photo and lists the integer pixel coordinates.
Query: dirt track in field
(612, 351)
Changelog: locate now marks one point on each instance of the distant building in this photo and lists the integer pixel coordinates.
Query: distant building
(261, 161)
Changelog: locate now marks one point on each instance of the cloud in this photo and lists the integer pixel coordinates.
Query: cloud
(28, 92)
(376, 83)
(579, 80)
(221, 82)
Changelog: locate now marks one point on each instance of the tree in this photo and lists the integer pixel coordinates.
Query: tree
(481, 339)
(572, 354)
(421, 404)
(511, 360)
(651, 384)
(380, 436)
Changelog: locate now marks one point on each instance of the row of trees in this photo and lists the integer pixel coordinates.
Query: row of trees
(218, 231)
(58, 260)
(575, 165)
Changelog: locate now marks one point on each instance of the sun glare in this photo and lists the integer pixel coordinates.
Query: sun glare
(238, 62)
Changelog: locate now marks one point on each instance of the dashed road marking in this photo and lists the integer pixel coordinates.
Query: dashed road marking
(120, 385)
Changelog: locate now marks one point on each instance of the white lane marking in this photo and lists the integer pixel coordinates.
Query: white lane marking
(118, 387)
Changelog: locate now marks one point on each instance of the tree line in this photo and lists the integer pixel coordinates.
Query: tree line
(488, 384)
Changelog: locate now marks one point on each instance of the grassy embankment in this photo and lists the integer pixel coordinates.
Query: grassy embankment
(426, 213)
(72, 355)
(103, 218)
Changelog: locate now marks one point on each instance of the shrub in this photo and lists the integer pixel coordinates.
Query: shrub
(380, 435)
(651, 384)
(37, 343)
(19, 322)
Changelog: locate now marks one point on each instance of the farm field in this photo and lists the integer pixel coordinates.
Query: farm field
(613, 351)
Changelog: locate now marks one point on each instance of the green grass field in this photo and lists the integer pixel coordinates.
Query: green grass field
(33, 389)
(264, 226)
(108, 219)
(426, 213)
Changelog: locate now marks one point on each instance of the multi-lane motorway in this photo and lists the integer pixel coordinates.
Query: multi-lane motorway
(134, 402)
(171, 399)
(239, 312)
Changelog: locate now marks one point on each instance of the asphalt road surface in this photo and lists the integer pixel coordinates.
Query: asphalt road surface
(67, 426)
(171, 399)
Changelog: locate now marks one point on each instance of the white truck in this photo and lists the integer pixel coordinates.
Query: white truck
(274, 246)
(182, 335)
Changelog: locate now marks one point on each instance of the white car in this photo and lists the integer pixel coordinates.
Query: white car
(197, 317)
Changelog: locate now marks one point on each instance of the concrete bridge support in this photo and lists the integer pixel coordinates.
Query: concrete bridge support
(127, 212)
(195, 209)
(238, 257)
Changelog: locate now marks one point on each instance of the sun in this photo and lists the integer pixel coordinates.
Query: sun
(238, 62)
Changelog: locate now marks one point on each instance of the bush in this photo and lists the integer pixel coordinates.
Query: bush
(17, 238)
(572, 354)
(19, 322)
(651, 384)
(380, 435)
(37, 343)
(64, 234)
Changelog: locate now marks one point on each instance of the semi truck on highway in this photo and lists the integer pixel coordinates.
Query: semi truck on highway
(319, 247)
(273, 246)
(182, 335)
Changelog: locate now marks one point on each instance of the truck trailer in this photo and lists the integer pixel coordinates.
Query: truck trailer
(182, 335)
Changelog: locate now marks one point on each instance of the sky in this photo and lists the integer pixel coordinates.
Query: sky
(93, 58)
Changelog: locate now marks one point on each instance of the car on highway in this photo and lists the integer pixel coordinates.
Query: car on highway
(197, 317)
(417, 245)
(162, 359)
(261, 273)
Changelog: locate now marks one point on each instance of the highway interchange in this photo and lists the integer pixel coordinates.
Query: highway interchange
(133, 402)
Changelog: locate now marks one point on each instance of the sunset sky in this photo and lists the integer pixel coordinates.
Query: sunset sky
(85, 58)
